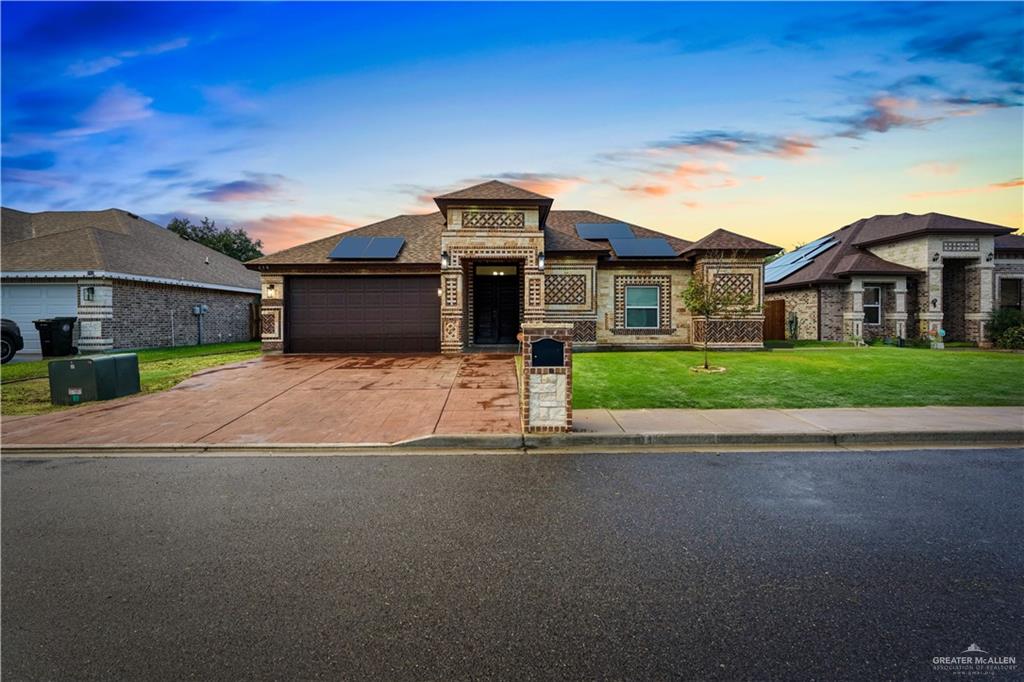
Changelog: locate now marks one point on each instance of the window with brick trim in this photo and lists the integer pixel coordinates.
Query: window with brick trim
(872, 305)
(642, 307)
(1010, 293)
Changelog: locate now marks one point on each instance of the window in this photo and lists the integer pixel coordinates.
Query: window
(872, 305)
(642, 307)
(1010, 293)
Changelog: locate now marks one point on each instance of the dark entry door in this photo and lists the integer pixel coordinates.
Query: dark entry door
(399, 314)
(496, 309)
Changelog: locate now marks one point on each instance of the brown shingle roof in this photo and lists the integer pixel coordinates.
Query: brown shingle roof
(422, 242)
(493, 190)
(1010, 242)
(562, 232)
(724, 240)
(849, 258)
(112, 241)
(885, 228)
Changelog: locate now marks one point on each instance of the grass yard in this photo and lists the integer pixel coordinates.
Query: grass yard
(853, 377)
(25, 388)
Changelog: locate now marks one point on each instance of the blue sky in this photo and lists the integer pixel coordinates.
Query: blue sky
(782, 121)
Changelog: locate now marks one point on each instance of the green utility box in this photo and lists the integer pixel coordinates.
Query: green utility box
(100, 377)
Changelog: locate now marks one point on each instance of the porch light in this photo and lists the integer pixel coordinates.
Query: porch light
(445, 259)
(988, 258)
(935, 303)
(540, 260)
(935, 257)
(270, 288)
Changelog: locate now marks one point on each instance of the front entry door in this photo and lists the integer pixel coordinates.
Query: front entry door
(496, 307)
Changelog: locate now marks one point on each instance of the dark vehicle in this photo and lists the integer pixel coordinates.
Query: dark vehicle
(11, 341)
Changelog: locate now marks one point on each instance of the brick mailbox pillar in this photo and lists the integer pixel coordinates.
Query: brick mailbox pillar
(546, 397)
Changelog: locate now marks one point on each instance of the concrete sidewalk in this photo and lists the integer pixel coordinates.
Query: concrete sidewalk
(810, 422)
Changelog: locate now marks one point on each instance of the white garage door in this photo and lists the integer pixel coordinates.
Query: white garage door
(24, 303)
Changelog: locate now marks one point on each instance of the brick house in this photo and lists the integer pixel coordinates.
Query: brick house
(900, 276)
(492, 257)
(130, 282)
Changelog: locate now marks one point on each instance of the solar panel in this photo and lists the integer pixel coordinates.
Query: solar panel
(384, 247)
(350, 247)
(604, 231)
(783, 267)
(642, 248)
(367, 248)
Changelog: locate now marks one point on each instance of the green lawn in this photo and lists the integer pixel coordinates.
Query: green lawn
(874, 376)
(25, 388)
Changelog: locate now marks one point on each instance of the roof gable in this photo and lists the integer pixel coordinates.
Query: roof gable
(493, 190)
(725, 240)
(885, 228)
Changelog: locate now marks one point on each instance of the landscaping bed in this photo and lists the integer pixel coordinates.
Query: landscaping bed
(25, 388)
(851, 377)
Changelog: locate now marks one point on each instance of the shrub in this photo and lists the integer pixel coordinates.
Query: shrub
(1012, 338)
(1004, 320)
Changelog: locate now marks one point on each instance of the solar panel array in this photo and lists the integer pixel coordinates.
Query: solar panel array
(604, 231)
(786, 265)
(642, 248)
(367, 248)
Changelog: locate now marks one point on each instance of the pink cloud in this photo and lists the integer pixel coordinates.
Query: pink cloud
(937, 168)
(282, 232)
(255, 187)
(984, 189)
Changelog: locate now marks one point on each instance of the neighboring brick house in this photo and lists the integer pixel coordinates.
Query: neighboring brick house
(495, 256)
(130, 282)
(900, 276)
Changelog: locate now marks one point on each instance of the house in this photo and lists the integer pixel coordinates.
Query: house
(900, 276)
(130, 282)
(493, 256)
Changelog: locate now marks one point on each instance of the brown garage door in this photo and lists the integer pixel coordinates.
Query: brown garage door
(363, 314)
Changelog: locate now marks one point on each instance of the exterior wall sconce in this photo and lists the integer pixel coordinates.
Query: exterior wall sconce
(935, 257)
(540, 260)
(439, 294)
(445, 259)
(935, 302)
(270, 288)
(988, 258)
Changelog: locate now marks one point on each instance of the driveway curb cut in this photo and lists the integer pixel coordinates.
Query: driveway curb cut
(537, 444)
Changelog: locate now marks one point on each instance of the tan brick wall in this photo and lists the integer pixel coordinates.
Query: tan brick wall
(832, 307)
(803, 302)
(913, 253)
(675, 327)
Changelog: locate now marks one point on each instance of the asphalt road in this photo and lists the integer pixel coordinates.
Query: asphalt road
(732, 566)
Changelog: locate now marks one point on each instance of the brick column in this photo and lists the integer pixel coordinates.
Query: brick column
(452, 310)
(272, 313)
(980, 301)
(900, 316)
(853, 317)
(932, 315)
(546, 392)
(533, 305)
(95, 315)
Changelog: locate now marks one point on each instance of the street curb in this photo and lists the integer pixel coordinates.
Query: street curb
(534, 444)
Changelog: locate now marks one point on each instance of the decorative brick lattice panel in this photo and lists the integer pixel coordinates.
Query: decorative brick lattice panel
(736, 284)
(494, 220)
(451, 330)
(268, 324)
(664, 284)
(565, 290)
(533, 292)
(584, 331)
(451, 292)
(468, 253)
(960, 245)
(728, 331)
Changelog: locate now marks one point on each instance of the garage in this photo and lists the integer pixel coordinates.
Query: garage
(24, 303)
(396, 314)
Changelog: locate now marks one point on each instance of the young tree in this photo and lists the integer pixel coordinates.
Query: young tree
(706, 301)
(235, 243)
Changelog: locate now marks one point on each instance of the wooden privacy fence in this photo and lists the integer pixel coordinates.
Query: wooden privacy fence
(775, 320)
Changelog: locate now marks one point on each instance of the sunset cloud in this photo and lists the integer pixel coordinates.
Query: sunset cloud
(882, 114)
(115, 108)
(935, 168)
(255, 187)
(282, 232)
(984, 189)
(92, 67)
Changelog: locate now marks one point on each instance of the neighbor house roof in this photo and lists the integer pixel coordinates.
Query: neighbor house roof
(887, 228)
(1010, 242)
(849, 257)
(115, 243)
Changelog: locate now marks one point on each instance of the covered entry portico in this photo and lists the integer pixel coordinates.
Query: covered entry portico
(492, 265)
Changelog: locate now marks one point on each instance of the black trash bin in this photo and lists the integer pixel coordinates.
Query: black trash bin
(55, 336)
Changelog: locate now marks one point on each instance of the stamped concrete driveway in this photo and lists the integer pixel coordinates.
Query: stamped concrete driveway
(300, 399)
